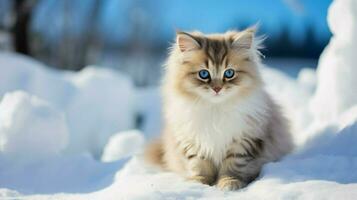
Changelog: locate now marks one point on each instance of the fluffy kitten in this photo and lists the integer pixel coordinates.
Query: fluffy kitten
(220, 124)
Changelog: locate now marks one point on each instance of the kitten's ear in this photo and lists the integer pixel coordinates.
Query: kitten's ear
(186, 42)
(244, 39)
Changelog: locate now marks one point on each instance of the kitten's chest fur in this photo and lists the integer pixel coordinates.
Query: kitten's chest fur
(209, 130)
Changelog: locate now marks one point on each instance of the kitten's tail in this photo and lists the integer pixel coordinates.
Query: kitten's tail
(154, 153)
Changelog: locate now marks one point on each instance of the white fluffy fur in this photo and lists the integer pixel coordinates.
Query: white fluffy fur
(213, 126)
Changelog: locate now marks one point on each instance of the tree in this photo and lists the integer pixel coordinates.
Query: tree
(23, 12)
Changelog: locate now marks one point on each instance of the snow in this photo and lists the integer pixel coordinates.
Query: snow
(337, 65)
(53, 131)
(123, 145)
(30, 129)
(293, 97)
(148, 106)
(58, 174)
(106, 97)
(307, 78)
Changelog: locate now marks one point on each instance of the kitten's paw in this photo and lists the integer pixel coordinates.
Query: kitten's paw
(202, 179)
(230, 183)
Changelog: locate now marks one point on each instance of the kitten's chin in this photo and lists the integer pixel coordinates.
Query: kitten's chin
(216, 98)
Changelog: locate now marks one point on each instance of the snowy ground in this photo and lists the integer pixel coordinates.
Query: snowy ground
(68, 135)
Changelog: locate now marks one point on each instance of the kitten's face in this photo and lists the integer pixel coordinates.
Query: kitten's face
(215, 68)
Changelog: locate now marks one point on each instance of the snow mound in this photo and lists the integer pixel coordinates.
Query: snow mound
(307, 78)
(332, 149)
(148, 105)
(6, 193)
(336, 73)
(59, 174)
(30, 128)
(123, 145)
(103, 105)
(292, 96)
(97, 102)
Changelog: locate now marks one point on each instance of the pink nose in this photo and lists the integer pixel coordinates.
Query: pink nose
(217, 89)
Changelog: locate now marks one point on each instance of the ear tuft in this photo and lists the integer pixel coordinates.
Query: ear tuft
(186, 42)
(244, 39)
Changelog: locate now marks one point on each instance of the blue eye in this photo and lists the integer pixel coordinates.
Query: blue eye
(204, 74)
(229, 73)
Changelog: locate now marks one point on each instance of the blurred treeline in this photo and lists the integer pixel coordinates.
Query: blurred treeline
(140, 54)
